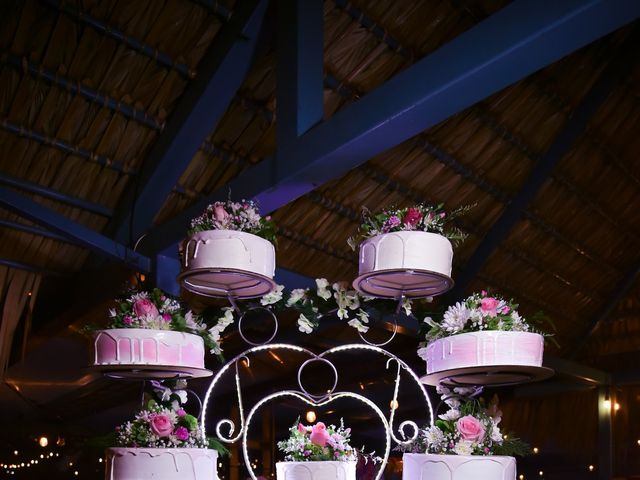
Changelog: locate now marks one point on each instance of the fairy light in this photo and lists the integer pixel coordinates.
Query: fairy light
(541, 473)
(616, 406)
(43, 441)
(535, 449)
(311, 416)
(394, 404)
(591, 468)
(521, 477)
(639, 442)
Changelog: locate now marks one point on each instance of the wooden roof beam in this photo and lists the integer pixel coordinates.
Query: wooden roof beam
(222, 70)
(617, 69)
(511, 44)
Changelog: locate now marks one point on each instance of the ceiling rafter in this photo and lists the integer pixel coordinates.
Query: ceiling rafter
(75, 87)
(65, 147)
(617, 69)
(133, 43)
(222, 70)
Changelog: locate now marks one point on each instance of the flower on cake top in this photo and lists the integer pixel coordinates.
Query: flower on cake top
(320, 442)
(157, 311)
(421, 217)
(164, 423)
(242, 216)
(469, 427)
(480, 311)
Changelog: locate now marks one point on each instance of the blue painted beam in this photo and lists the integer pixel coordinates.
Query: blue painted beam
(46, 192)
(5, 262)
(84, 236)
(515, 42)
(299, 70)
(220, 74)
(41, 232)
(617, 69)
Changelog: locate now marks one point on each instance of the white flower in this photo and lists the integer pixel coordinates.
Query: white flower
(519, 324)
(464, 447)
(358, 325)
(496, 435)
(323, 291)
(304, 324)
(452, 415)
(353, 301)
(455, 318)
(406, 305)
(343, 313)
(272, 297)
(363, 316)
(296, 295)
(434, 437)
(112, 312)
(429, 321)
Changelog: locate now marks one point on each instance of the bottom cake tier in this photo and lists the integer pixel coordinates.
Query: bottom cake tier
(419, 466)
(161, 464)
(316, 470)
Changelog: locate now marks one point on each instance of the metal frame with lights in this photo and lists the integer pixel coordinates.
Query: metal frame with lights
(404, 437)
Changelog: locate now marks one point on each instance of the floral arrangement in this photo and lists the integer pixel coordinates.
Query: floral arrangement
(321, 443)
(478, 312)
(467, 428)
(242, 216)
(421, 217)
(157, 311)
(164, 423)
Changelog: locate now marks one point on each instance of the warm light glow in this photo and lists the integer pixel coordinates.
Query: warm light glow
(535, 450)
(42, 455)
(76, 473)
(616, 406)
(541, 473)
(638, 442)
(607, 404)
(521, 477)
(43, 441)
(591, 468)
(311, 416)
(100, 459)
(15, 452)
(394, 404)
(142, 277)
(71, 464)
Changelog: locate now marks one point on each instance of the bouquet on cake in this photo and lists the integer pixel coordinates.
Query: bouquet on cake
(241, 216)
(479, 312)
(155, 310)
(469, 427)
(418, 218)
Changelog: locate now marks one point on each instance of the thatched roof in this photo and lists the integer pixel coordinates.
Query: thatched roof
(88, 87)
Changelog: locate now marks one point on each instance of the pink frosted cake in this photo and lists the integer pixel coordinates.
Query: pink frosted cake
(229, 249)
(411, 250)
(161, 464)
(418, 466)
(321, 470)
(484, 348)
(139, 346)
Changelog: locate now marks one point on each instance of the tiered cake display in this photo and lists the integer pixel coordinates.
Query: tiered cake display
(229, 252)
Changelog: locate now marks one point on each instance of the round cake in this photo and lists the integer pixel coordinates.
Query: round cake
(325, 470)
(229, 249)
(141, 346)
(485, 348)
(161, 464)
(418, 466)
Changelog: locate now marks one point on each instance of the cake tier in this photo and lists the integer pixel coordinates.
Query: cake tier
(161, 464)
(486, 348)
(229, 249)
(417, 466)
(316, 470)
(139, 346)
(406, 250)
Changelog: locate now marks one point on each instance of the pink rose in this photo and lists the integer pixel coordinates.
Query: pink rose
(180, 412)
(144, 306)
(483, 293)
(161, 425)
(489, 306)
(182, 433)
(220, 214)
(412, 217)
(302, 428)
(127, 320)
(470, 428)
(319, 435)
(505, 310)
(166, 317)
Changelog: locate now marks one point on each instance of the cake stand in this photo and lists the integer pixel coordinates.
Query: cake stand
(488, 376)
(401, 282)
(225, 283)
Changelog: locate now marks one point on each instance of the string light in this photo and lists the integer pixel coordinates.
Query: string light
(591, 468)
(535, 450)
(616, 406)
(394, 404)
(521, 477)
(43, 441)
(311, 416)
(541, 473)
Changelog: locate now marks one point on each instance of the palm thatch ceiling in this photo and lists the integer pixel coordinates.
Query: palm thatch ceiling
(93, 94)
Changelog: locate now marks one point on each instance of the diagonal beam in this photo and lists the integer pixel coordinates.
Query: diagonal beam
(80, 234)
(515, 42)
(220, 74)
(617, 69)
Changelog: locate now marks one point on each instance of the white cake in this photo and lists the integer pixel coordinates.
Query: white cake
(229, 249)
(486, 348)
(161, 464)
(418, 466)
(140, 346)
(406, 250)
(316, 470)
